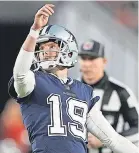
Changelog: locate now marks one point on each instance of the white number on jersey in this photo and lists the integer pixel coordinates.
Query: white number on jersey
(76, 110)
(56, 127)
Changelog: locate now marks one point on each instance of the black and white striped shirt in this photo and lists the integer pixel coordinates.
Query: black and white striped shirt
(119, 106)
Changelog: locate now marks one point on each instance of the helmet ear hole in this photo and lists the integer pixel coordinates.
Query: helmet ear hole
(70, 54)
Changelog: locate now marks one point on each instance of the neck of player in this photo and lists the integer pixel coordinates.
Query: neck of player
(61, 74)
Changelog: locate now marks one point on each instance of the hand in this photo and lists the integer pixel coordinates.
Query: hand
(42, 16)
(94, 142)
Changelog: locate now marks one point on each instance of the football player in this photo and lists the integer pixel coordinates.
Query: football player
(57, 110)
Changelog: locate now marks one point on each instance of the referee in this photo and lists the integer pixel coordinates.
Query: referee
(117, 102)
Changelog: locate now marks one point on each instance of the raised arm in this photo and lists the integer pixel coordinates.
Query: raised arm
(24, 80)
(99, 126)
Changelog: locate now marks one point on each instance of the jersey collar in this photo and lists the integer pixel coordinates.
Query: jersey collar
(67, 81)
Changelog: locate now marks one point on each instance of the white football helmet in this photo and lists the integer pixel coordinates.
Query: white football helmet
(67, 52)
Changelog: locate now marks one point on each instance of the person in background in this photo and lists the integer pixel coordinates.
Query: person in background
(14, 136)
(117, 102)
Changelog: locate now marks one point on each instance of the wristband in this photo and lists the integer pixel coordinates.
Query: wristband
(34, 34)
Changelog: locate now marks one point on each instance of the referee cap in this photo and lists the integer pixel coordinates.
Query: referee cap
(92, 48)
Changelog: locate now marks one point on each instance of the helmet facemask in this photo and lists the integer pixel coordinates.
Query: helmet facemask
(49, 59)
(63, 56)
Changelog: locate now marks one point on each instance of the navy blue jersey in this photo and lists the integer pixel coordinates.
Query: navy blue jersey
(55, 114)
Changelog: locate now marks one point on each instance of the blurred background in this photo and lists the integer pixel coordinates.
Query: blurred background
(113, 23)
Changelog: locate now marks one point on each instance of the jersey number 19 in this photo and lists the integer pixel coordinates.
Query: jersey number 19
(76, 110)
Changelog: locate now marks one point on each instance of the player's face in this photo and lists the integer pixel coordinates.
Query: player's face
(50, 51)
(91, 67)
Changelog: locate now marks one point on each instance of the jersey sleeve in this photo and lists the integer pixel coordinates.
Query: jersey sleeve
(24, 85)
(13, 94)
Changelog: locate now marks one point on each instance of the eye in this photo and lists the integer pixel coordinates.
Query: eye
(52, 47)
